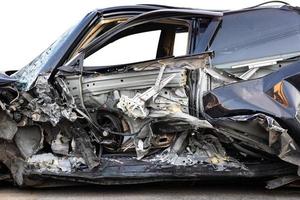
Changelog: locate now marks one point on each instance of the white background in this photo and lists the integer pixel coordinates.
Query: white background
(30, 26)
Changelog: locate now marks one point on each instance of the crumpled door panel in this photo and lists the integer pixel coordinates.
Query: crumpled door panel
(276, 95)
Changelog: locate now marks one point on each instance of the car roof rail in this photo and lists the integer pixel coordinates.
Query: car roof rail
(270, 2)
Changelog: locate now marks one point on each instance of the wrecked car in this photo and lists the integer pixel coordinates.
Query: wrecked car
(224, 104)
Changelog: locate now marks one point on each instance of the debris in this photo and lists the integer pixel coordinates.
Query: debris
(61, 145)
(189, 150)
(49, 162)
(45, 107)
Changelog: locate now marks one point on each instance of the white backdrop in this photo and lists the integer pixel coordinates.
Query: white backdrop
(30, 26)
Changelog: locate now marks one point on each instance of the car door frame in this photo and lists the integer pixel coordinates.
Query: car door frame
(101, 41)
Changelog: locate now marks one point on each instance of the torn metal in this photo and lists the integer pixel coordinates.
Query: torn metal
(171, 118)
(265, 135)
(47, 106)
(198, 149)
(49, 162)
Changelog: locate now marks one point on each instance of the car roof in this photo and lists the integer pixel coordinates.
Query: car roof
(142, 8)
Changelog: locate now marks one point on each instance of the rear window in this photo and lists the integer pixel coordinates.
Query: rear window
(258, 34)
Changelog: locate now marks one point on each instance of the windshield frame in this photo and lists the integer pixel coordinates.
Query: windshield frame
(55, 55)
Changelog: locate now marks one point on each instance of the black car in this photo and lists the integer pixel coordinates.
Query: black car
(221, 105)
